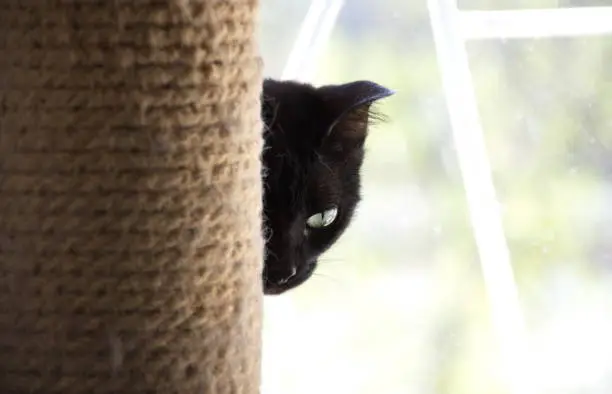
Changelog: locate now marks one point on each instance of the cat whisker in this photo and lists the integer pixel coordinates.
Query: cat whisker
(267, 233)
(322, 161)
(336, 281)
(271, 253)
(326, 276)
(331, 261)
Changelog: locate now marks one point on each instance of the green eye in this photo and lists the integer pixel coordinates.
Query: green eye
(322, 219)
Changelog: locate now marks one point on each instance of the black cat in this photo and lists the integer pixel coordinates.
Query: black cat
(312, 157)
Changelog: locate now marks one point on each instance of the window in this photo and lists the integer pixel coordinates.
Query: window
(480, 260)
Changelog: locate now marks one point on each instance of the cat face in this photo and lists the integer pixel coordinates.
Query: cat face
(312, 157)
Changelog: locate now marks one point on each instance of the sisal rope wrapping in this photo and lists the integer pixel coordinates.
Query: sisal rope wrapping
(130, 197)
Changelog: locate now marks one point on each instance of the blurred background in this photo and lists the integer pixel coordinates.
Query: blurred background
(399, 305)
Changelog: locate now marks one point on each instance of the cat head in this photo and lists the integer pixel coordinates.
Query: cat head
(314, 148)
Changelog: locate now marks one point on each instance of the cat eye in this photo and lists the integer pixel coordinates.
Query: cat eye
(322, 219)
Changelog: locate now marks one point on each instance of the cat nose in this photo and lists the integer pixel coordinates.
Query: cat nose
(291, 272)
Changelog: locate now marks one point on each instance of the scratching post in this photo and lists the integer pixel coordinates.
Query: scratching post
(130, 197)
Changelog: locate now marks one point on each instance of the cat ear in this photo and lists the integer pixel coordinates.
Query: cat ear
(349, 107)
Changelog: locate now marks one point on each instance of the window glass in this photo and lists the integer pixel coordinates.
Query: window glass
(399, 305)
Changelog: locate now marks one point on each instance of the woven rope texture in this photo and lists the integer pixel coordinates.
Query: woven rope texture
(130, 197)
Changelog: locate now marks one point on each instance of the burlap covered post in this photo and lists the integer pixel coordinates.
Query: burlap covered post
(130, 197)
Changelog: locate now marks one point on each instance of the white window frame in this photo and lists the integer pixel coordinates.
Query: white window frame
(452, 28)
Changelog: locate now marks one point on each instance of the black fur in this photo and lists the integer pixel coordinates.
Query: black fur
(312, 157)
